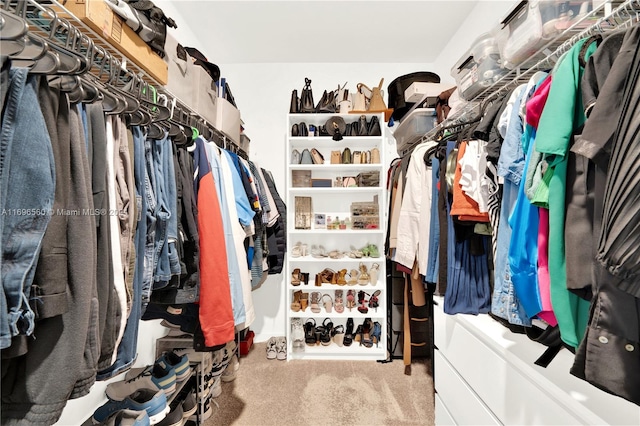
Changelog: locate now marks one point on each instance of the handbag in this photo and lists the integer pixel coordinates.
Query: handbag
(375, 156)
(349, 181)
(346, 156)
(305, 157)
(327, 103)
(359, 100)
(374, 127)
(344, 101)
(317, 157)
(302, 129)
(306, 98)
(362, 126)
(294, 108)
(336, 157)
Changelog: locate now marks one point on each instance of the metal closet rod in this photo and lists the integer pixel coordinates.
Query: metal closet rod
(102, 59)
(625, 14)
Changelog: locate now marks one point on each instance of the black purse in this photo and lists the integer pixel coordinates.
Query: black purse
(374, 127)
(294, 108)
(306, 98)
(327, 103)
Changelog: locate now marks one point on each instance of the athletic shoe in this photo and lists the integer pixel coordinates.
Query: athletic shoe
(207, 411)
(189, 405)
(180, 364)
(174, 418)
(153, 377)
(216, 389)
(128, 418)
(231, 371)
(154, 402)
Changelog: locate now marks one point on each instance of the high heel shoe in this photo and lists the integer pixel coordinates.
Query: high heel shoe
(295, 277)
(328, 304)
(373, 273)
(338, 301)
(353, 277)
(341, 277)
(376, 333)
(348, 333)
(318, 251)
(364, 278)
(325, 332)
(374, 302)
(351, 299)
(365, 335)
(310, 332)
(337, 334)
(355, 253)
(361, 300)
(315, 302)
(304, 301)
(295, 304)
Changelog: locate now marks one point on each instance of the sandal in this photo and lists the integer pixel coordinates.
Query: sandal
(365, 336)
(304, 301)
(337, 301)
(338, 335)
(353, 277)
(361, 300)
(348, 334)
(318, 251)
(373, 300)
(295, 277)
(297, 333)
(335, 254)
(373, 250)
(363, 279)
(375, 334)
(310, 332)
(325, 332)
(355, 253)
(340, 280)
(373, 273)
(299, 250)
(351, 299)
(327, 304)
(296, 305)
(315, 302)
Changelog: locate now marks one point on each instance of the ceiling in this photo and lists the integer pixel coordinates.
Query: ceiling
(328, 31)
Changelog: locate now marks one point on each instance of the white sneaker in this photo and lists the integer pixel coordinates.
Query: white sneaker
(152, 377)
(281, 348)
(231, 371)
(272, 350)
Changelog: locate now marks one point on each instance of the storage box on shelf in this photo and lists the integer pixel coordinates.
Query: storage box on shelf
(339, 220)
(414, 125)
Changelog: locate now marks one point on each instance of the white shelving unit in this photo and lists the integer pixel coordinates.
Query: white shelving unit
(335, 202)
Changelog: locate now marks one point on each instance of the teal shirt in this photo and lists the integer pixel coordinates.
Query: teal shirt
(562, 115)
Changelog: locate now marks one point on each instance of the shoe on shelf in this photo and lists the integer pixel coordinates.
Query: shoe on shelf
(128, 417)
(231, 372)
(353, 277)
(336, 254)
(355, 253)
(281, 348)
(297, 333)
(341, 279)
(338, 301)
(310, 332)
(295, 304)
(174, 418)
(363, 278)
(328, 304)
(153, 402)
(351, 299)
(362, 301)
(304, 301)
(374, 302)
(315, 302)
(299, 250)
(154, 377)
(324, 332)
(272, 351)
(348, 333)
(372, 249)
(338, 335)
(179, 363)
(375, 334)
(189, 405)
(373, 273)
(207, 411)
(295, 277)
(318, 251)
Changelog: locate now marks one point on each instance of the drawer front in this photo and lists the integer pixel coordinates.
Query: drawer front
(460, 400)
(443, 416)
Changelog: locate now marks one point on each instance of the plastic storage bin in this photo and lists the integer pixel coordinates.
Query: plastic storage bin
(532, 24)
(414, 125)
(479, 68)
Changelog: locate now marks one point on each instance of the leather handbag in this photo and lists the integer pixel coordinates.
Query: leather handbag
(306, 98)
(294, 108)
(357, 157)
(346, 156)
(375, 156)
(317, 157)
(295, 130)
(295, 157)
(344, 101)
(302, 129)
(374, 127)
(359, 100)
(327, 103)
(305, 157)
(336, 157)
(363, 129)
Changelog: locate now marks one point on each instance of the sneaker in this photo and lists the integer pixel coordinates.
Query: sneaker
(231, 371)
(207, 412)
(216, 389)
(128, 418)
(272, 351)
(174, 418)
(154, 402)
(180, 364)
(189, 405)
(153, 377)
(281, 348)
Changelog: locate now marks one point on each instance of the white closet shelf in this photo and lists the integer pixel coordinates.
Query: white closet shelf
(358, 317)
(324, 287)
(333, 351)
(310, 259)
(334, 189)
(335, 167)
(335, 231)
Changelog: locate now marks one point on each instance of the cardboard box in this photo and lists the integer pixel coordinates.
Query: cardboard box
(227, 119)
(101, 19)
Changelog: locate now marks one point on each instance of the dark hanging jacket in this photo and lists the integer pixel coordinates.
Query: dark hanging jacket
(276, 234)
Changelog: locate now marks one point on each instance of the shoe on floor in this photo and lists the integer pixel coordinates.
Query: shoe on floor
(127, 418)
(180, 364)
(153, 377)
(281, 348)
(154, 402)
(272, 350)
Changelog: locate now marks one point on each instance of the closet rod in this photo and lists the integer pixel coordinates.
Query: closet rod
(626, 12)
(105, 61)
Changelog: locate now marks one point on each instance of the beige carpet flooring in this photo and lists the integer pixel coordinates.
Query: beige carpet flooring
(310, 393)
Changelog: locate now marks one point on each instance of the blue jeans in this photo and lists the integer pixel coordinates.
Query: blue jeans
(127, 349)
(27, 179)
(147, 179)
(434, 232)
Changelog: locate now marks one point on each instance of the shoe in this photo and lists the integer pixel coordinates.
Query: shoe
(353, 277)
(180, 364)
(310, 332)
(295, 131)
(299, 250)
(328, 304)
(128, 418)
(363, 278)
(297, 333)
(338, 301)
(373, 250)
(207, 411)
(154, 377)
(153, 402)
(318, 251)
(338, 335)
(351, 299)
(373, 273)
(365, 333)
(272, 351)
(189, 405)
(348, 333)
(216, 389)
(281, 348)
(362, 301)
(324, 332)
(336, 254)
(315, 302)
(304, 279)
(231, 372)
(375, 334)
(374, 302)
(295, 277)
(355, 253)
(174, 418)
(296, 305)
(340, 280)
(304, 301)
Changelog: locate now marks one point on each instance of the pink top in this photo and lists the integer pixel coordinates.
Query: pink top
(535, 105)
(544, 280)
